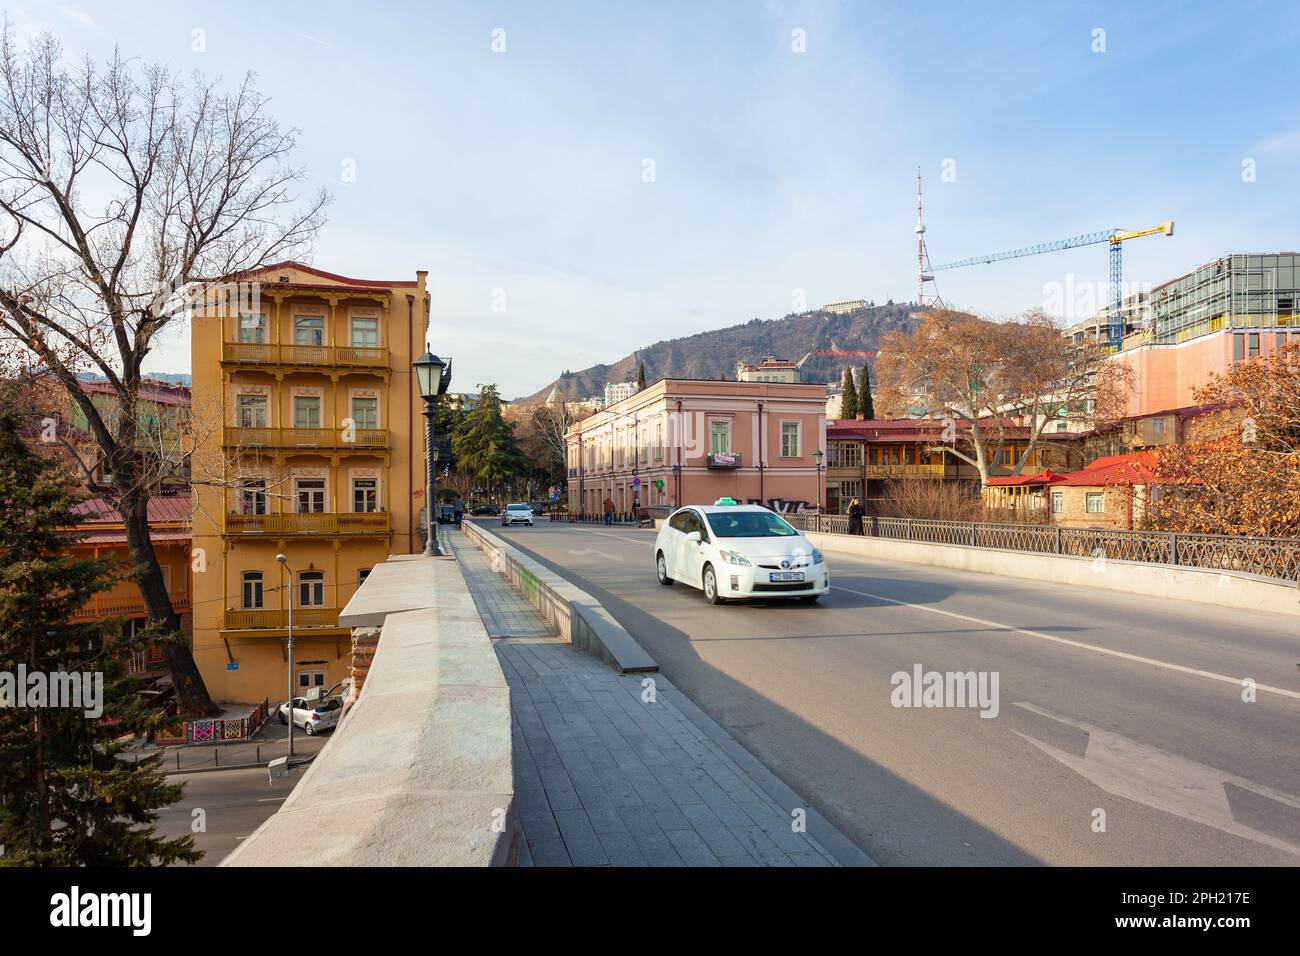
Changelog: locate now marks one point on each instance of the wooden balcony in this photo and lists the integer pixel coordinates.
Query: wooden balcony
(279, 359)
(106, 606)
(272, 619)
(307, 440)
(931, 470)
(308, 524)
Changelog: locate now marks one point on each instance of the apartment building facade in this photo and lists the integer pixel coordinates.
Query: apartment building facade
(1231, 310)
(308, 443)
(692, 441)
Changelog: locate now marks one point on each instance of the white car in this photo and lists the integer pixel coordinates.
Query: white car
(729, 550)
(313, 716)
(520, 514)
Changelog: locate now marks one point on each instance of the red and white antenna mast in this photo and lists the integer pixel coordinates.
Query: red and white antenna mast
(922, 255)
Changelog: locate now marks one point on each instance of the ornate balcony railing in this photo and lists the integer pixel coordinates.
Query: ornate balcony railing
(1268, 557)
(106, 606)
(325, 356)
(927, 470)
(276, 618)
(310, 522)
(309, 439)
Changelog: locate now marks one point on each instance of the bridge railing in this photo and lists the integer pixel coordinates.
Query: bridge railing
(1267, 557)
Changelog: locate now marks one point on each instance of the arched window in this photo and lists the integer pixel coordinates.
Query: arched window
(252, 590)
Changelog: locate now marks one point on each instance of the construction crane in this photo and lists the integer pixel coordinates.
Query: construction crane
(1115, 237)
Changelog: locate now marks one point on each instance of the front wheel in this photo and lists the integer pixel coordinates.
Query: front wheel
(308, 727)
(711, 586)
(661, 569)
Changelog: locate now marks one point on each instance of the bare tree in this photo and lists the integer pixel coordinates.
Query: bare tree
(989, 377)
(124, 193)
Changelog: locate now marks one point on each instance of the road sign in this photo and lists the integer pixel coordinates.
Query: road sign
(659, 484)
(636, 482)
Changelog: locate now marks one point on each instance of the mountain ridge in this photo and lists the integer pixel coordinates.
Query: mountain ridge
(831, 340)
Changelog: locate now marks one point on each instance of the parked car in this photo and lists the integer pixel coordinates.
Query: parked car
(493, 510)
(729, 550)
(517, 514)
(446, 514)
(313, 716)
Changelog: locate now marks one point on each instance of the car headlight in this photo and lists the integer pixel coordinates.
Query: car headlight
(731, 557)
(818, 557)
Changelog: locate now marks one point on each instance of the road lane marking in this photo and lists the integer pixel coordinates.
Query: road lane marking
(1156, 778)
(1122, 655)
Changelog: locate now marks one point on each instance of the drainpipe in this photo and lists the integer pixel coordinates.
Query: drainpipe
(677, 495)
(761, 497)
(410, 426)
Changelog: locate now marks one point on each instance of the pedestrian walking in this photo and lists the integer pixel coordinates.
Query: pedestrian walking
(458, 509)
(855, 517)
(609, 511)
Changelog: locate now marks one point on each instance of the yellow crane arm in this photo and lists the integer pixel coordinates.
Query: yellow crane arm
(1166, 227)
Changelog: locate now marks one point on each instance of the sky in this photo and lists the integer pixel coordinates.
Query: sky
(581, 179)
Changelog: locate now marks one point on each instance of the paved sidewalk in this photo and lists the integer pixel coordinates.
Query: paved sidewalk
(271, 741)
(609, 771)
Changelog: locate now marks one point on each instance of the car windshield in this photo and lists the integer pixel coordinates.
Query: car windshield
(516, 507)
(748, 524)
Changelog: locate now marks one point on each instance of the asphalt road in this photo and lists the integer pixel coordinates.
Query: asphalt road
(1121, 735)
(233, 803)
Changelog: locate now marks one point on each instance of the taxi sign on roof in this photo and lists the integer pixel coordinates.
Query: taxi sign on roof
(726, 501)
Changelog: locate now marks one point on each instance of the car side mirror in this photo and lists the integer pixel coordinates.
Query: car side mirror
(694, 537)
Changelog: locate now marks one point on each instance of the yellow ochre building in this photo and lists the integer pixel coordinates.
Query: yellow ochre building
(308, 441)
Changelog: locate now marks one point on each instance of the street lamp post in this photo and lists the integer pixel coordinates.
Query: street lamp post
(432, 376)
(818, 455)
(284, 566)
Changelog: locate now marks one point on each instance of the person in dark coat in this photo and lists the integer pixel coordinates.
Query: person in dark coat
(458, 509)
(855, 517)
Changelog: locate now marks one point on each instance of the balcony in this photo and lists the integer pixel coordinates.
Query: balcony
(306, 524)
(719, 461)
(107, 606)
(932, 470)
(307, 440)
(274, 619)
(280, 359)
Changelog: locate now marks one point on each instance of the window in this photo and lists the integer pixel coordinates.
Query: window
(250, 411)
(311, 589)
(309, 330)
(308, 679)
(720, 438)
(252, 329)
(790, 440)
(365, 332)
(680, 522)
(1058, 502)
(252, 497)
(306, 411)
(362, 574)
(1238, 347)
(1157, 426)
(311, 495)
(1095, 503)
(1252, 345)
(365, 494)
(252, 590)
(365, 412)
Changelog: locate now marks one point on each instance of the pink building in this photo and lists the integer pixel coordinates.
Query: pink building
(692, 441)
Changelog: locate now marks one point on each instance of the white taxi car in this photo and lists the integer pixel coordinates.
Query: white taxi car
(730, 550)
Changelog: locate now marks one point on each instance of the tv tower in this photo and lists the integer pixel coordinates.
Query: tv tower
(923, 268)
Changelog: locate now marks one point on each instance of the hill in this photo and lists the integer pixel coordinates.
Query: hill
(835, 340)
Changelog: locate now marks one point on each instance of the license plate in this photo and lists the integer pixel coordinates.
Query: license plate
(785, 576)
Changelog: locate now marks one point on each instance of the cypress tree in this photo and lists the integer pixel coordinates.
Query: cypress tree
(640, 378)
(867, 406)
(849, 396)
(67, 798)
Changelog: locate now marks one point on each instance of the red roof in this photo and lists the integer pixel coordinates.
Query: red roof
(172, 508)
(903, 429)
(1047, 477)
(321, 273)
(1136, 468)
(119, 537)
(163, 393)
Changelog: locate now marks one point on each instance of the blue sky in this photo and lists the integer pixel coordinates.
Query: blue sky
(776, 172)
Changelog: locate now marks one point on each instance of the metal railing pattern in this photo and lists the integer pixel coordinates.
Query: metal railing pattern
(104, 607)
(1267, 557)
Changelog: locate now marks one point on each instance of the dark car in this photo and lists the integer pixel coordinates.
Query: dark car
(446, 514)
(486, 510)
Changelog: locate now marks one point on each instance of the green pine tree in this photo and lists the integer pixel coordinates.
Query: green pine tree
(65, 797)
(849, 396)
(640, 378)
(485, 445)
(865, 404)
